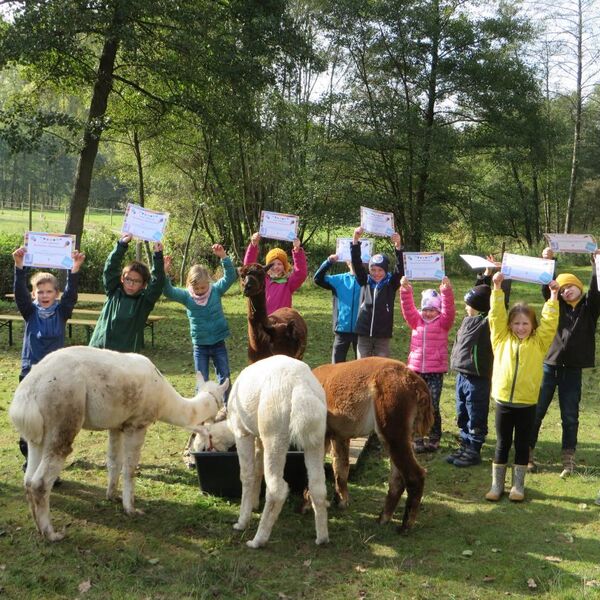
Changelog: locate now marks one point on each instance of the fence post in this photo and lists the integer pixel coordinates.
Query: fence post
(30, 208)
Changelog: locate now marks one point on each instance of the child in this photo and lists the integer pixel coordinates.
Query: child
(45, 315)
(346, 297)
(375, 320)
(519, 347)
(280, 284)
(132, 294)
(472, 359)
(208, 326)
(428, 355)
(572, 350)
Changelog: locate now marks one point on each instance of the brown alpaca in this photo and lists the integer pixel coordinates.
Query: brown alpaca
(385, 396)
(282, 332)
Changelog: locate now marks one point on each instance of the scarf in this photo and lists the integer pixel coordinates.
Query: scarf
(200, 300)
(46, 313)
(378, 285)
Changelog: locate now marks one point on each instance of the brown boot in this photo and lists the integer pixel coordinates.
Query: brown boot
(568, 460)
(531, 466)
(498, 477)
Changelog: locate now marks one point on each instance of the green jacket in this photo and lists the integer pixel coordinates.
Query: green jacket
(121, 323)
(518, 364)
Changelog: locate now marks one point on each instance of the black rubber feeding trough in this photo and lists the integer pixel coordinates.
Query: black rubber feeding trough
(219, 473)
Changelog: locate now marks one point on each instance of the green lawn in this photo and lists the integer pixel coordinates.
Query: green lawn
(185, 547)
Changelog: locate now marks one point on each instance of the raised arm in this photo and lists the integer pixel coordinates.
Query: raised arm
(251, 255)
(359, 269)
(157, 276)
(448, 307)
(22, 295)
(229, 272)
(498, 316)
(546, 331)
(320, 277)
(300, 270)
(407, 304)
(399, 267)
(111, 276)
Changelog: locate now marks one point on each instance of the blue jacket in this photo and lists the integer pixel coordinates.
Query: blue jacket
(42, 335)
(208, 324)
(346, 297)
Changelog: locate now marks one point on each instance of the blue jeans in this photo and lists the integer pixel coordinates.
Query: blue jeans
(568, 381)
(218, 354)
(472, 409)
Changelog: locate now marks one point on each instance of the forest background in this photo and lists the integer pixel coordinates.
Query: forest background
(475, 123)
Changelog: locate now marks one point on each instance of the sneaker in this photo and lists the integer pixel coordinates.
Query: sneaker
(456, 454)
(433, 445)
(469, 458)
(419, 446)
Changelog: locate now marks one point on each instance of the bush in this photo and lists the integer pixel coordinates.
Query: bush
(8, 243)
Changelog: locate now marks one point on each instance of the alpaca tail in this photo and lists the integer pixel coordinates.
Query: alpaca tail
(425, 415)
(308, 416)
(25, 415)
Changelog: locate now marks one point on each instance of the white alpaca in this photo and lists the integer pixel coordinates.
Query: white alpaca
(80, 387)
(278, 401)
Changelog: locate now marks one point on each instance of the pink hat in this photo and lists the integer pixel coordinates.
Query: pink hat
(431, 299)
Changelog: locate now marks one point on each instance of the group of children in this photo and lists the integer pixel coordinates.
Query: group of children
(498, 354)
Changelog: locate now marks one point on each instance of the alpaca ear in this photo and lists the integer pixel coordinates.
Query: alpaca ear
(267, 268)
(224, 386)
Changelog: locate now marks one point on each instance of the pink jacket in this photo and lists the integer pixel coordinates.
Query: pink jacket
(429, 339)
(279, 295)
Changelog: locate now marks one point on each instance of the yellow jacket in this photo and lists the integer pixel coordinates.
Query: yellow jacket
(518, 364)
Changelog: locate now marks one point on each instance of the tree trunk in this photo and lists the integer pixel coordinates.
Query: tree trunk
(93, 128)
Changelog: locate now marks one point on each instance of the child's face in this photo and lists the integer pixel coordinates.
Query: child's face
(471, 311)
(132, 282)
(201, 288)
(376, 273)
(277, 269)
(570, 293)
(521, 326)
(45, 294)
(429, 313)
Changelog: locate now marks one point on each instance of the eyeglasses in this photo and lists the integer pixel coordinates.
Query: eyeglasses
(130, 281)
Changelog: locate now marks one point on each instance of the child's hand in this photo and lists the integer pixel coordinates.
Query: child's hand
(497, 279)
(219, 251)
(296, 244)
(489, 270)
(554, 288)
(168, 261)
(255, 239)
(126, 238)
(18, 256)
(396, 240)
(445, 285)
(332, 258)
(357, 233)
(78, 258)
(158, 247)
(548, 253)
(405, 283)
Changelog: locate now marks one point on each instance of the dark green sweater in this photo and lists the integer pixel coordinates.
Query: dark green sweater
(121, 323)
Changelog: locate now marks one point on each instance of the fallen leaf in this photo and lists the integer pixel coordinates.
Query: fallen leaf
(496, 550)
(592, 583)
(154, 561)
(568, 538)
(2, 567)
(84, 586)
(360, 569)
(307, 563)
(488, 579)
(531, 584)
(467, 553)
(582, 506)
(554, 559)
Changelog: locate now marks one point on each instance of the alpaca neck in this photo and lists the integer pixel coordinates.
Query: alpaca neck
(183, 412)
(258, 322)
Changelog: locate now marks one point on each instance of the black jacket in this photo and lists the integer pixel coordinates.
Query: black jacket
(575, 342)
(376, 310)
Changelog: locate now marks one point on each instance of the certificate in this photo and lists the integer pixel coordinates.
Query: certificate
(527, 268)
(49, 250)
(597, 261)
(476, 262)
(144, 223)
(424, 266)
(377, 222)
(576, 243)
(342, 249)
(278, 226)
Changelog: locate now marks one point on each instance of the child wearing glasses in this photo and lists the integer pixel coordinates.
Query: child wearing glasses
(132, 293)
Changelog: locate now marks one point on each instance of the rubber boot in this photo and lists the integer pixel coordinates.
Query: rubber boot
(498, 477)
(452, 457)
(517, 491)
(568, 460)
(470, 458)
(531, 466)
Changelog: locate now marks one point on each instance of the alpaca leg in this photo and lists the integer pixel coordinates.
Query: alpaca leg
(277, 489)
(114, 462)
(133, 439)
(341, 467)
(34, 457)
(313, 459)
(245, 450)
(38, 492)
(259, 470)
(412, 473)
(395, 491)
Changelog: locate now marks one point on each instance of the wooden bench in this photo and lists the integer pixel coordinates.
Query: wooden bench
(7, 321)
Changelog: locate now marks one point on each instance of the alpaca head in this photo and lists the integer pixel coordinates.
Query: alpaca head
(213, 436)
(207, 402)
(252, 279)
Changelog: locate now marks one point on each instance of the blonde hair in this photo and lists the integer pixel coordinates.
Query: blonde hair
(42, 277)
(197, 275)
(523, 309)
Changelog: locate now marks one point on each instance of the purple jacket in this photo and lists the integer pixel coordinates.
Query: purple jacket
(279, 295)
(429, 339)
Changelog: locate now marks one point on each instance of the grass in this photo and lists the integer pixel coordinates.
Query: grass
(17, 221)
(185, 547)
